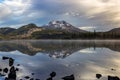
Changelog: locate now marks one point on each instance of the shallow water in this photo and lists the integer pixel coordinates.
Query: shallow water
(84, 59)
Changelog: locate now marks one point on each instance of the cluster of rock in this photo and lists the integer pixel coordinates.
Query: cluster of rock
(98, 76)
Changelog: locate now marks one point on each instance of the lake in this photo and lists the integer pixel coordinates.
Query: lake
(82, 58)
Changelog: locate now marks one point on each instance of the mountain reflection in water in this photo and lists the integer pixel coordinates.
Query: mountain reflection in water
(63, 58)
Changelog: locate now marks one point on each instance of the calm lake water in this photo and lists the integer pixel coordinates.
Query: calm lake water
(84, 59)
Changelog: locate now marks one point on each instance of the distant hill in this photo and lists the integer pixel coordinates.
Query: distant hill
(24, 29)
(115, 30)
(6, 30)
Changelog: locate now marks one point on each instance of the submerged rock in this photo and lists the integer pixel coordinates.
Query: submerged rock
(32, 73)
(53, 74)
(50, 78)
(71, 77)
(27, 77)
(18, 64)
(31, 78)
(113, 69)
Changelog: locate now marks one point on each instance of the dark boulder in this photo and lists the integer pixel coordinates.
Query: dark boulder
(98, 76)
(5, 70)
(11, 62)
(4, 57)
(71, 77)
(53, 74)
(113, 78)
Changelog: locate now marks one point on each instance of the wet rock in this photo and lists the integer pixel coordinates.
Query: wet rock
(50, 78)
(11, 62)
(5, 70)
(113, 78)
(71, 77)
(98, 76)
(18, 64)
(12, 69)
(113, 69)
(4, 57)
(27, 77)
(32, 73)
(0, 70)
(12, 74)
(32, 79)
(53, 74)
(17, 69)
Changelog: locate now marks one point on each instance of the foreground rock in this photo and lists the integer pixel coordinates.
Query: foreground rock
(98, 76)
(71, 77)
(52, 75)
(113, 78)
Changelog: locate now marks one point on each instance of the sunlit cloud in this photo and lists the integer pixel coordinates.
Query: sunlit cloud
(89, 28)
(102, 14)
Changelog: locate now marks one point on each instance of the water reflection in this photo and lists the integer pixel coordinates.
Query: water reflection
(57, 60)
(58, 49)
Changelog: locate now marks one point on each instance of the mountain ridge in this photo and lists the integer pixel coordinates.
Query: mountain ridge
(55, 30)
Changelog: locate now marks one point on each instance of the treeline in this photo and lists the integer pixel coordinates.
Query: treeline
(57, 34)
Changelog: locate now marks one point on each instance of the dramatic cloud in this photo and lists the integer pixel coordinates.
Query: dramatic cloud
(101, 14)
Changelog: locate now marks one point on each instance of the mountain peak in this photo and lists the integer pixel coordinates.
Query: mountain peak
(62, 25)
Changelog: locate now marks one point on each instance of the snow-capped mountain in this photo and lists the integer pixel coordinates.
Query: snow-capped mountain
(62, 25)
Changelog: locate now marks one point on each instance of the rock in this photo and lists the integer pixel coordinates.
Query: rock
(5, 70)
(32, 79)
(4, 57)
(50, 78)
(17, 69)
(53, 74)
(113, 78)
(18, 64)
(12, 74)
(27, 77)
(11, 62)
(98, 76)
(71, 77)
(113, 69)
(0, 70)
(32, 73)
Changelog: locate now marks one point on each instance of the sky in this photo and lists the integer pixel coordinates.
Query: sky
(101, 15)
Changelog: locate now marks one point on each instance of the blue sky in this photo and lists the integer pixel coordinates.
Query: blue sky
(85, 14)
(1, 0)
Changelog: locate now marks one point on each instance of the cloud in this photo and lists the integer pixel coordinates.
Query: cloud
(5, 11)
(102, 14)
(89, 28)
(17, 6)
